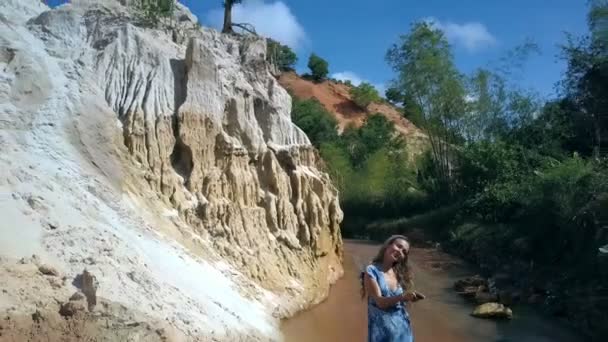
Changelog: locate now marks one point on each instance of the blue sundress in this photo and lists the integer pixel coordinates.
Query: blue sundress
(387, 325)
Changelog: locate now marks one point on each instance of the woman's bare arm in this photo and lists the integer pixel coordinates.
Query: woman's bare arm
(373, 290)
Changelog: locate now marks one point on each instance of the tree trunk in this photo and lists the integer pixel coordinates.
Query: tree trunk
(598, 136)
(227, 17)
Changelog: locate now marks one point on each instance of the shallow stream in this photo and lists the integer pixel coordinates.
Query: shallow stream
(442, 317)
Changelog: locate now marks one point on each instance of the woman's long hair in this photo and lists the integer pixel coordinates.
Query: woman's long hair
(401, 267)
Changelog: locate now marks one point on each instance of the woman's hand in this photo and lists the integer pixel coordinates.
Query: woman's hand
(408, 296)
(412, 296)
(419, 296)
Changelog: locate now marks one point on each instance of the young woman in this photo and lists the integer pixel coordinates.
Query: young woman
(387, 283)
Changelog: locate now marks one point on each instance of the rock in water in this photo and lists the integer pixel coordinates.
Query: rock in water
(469, 291)
(482, 297)
(492, 310)
(474, 281)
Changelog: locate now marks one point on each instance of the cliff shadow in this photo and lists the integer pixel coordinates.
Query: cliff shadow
(181, 156)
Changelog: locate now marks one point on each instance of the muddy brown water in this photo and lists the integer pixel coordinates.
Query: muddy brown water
(442, 317)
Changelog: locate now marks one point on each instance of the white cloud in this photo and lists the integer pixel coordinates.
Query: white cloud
(471, 35)
(356, 80)
(273, 20)
(348, 76)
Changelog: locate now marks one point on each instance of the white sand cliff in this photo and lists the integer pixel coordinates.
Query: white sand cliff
(164, 162)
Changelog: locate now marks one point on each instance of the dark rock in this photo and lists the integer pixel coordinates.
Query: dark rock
(469, 291)
(485, 297)
(71, 308)
(37, 316)
(77, 296)
(48, 270)
(475, 281)
(87, 283)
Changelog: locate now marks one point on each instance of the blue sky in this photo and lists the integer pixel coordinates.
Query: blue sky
(353, 35)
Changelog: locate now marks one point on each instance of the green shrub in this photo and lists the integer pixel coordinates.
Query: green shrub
(338, 166)
(557, 210)
(364, 94)
(314, 120)
(377, 132)
(282, 55)
(484, 244)
(151, 11)
(319, 67)
(549, 203)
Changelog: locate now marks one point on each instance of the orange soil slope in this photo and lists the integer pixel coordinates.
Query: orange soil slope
(336, 99)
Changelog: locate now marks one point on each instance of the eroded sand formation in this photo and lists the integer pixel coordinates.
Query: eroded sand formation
(164, 162)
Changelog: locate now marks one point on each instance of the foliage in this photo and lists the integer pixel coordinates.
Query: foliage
(598, 22)
(560, 129)
(368, 164)
(152, 10)
(586, 84)
(319, 67)
(427, 74)
(339, 166)
(484, 117)
(312, 118)
(394, 95)
(376, 133)
(432, 220)
(364, 94)
(281, 55)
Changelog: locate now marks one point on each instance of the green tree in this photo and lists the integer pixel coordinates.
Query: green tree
(364, 94)
(318, 67)
(586, 79)
(560, 129)
(394, 95)
(486, 101)
(376, 133)
(281, 55)
(598, 21)
(426, 72)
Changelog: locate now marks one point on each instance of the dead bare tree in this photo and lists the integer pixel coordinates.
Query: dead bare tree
(228, 4)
